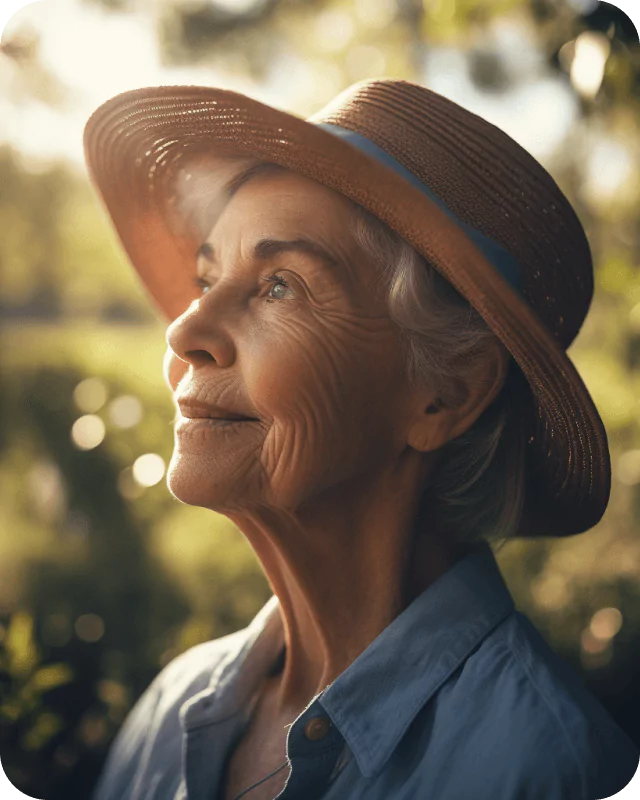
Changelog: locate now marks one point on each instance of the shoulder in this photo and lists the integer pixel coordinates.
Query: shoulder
(535, 721)
(152, 729)
(192, 671)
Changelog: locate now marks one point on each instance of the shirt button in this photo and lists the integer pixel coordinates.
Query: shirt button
(317, 728)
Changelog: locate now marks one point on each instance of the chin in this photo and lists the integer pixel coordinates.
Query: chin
(194, 487)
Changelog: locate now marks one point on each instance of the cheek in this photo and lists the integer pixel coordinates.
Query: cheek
(318, 374)
(282, 370)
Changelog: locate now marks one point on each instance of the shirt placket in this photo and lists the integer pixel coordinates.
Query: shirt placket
(313, 747)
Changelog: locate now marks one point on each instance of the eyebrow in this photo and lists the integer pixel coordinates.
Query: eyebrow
(266, 249)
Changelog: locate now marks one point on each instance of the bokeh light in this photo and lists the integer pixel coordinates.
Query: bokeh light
(375, 13)
(148, 469)
(334, 29)
(606, 623)
(93, 729)
(89, 628)
(610, 172)
(628, 468)
(590, 57)
(125, 411)
(594, 653)
(90, 395)
(128, 486)
(87, 432)
(56, 630)
(47, 490)
(113, 693)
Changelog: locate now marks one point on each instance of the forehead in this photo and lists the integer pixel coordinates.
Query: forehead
(236, 203)
(277, 205)
(284, 198)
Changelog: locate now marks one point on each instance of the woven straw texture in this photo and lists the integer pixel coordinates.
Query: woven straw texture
(137, 143)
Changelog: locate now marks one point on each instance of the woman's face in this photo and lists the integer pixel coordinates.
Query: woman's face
(314, 356)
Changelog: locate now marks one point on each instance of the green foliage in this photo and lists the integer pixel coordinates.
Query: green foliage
(28, 682)
(58, 253)
(26, 723)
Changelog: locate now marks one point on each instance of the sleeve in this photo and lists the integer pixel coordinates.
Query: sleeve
(117, 777)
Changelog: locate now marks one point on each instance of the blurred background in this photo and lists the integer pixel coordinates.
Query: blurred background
(104, 576)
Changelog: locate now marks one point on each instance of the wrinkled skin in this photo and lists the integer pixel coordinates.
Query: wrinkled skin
(325, 485)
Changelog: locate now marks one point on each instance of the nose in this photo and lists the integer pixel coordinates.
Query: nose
(199, 336)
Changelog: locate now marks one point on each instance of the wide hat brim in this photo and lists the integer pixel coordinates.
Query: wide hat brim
(137, 142)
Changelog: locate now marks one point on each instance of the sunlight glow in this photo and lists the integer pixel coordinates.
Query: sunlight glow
(587, 69)
(239, 6)
(538, 113)
(334, 30)
(93, 55)
(365, 61)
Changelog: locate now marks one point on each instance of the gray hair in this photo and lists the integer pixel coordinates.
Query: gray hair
(477, 489)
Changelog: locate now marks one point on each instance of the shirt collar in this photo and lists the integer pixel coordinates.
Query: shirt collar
(373, 702)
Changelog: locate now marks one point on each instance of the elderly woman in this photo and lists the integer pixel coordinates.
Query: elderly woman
(369, 312)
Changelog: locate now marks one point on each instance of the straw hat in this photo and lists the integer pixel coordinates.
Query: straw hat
(464, 194)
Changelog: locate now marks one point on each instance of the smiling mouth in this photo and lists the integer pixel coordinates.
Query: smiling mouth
(225, 419)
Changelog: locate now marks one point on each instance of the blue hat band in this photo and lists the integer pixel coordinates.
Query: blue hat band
(502, 260)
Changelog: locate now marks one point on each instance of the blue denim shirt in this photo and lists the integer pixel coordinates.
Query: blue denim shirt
(459, 698)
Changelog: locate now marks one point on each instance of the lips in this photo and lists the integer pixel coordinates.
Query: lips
(194, 409)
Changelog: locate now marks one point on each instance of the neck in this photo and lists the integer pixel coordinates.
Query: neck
(343, 568)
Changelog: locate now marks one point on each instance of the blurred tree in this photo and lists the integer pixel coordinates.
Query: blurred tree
(108, 589)
(26, 77)
(58, 254)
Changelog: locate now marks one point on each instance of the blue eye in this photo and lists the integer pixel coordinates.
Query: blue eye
(277, 280)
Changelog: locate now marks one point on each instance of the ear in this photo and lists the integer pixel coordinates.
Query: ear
(479, 381)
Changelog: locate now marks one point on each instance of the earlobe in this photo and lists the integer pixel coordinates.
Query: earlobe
(430, 433)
